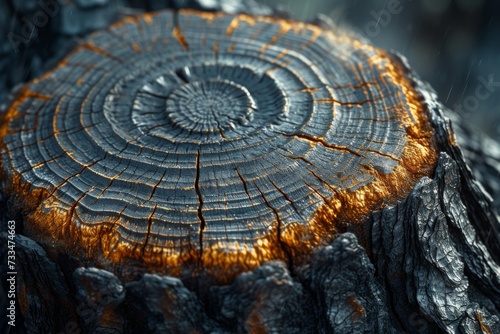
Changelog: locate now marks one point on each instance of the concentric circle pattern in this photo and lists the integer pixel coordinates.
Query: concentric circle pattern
(189, 140)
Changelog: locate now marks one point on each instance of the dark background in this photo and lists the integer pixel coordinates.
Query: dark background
(452, 44)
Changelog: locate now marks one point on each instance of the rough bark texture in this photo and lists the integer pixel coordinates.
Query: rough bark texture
(427, 248)
(432, 267)
(481, 153)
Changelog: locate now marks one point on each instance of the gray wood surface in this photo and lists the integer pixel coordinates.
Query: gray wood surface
(193, 137)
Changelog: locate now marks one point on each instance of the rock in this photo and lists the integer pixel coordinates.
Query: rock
(266, 300)
(44, 302)
(99, 294)
(163, 305)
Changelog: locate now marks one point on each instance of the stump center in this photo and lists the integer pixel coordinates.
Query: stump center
(211, 106)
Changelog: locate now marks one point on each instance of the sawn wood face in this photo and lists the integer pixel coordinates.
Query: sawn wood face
(203, 142)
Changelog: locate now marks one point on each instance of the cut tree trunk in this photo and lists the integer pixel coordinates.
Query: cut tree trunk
(420, 255)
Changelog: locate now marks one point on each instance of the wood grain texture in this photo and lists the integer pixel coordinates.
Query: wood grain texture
(205, 142)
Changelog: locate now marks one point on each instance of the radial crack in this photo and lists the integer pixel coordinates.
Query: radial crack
(244, 183)
(381, 154)
(280, 223)
(221, 132)
(111, 180)
(326, 184)
(350, 104)
(177, 33)
(317, 140)
(288, 199)
(314, 190)
(200, 201)
(72, 209)
(93, 48)
(74, 175)
(150, 223)
(155, 186)
(297, 158)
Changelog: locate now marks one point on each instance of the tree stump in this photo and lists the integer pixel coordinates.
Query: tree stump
(187, 171)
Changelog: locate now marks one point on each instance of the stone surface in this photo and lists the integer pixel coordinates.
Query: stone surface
(99, 294)
(44, 301)
(266, 300)
(163, 305)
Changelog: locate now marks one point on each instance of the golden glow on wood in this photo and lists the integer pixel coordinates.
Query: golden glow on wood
(177, 33)
(105, 246)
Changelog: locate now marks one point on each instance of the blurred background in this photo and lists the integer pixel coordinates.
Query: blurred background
(453, 44)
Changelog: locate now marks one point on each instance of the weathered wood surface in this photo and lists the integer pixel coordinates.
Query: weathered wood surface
(211, 142)
(428, 263)
(34, 35)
